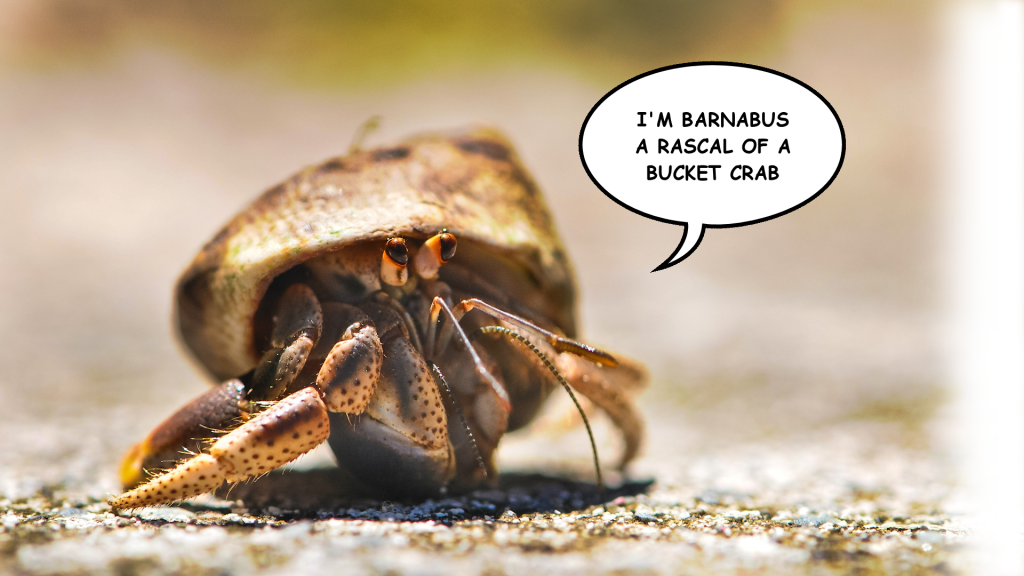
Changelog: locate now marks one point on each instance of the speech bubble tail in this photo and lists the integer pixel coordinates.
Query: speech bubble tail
(692, 236)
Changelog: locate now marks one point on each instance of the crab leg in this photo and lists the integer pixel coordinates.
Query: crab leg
(604, 380)
(610, 389)
(299, 322)
(278, 435)
(187, 429)
(557, 342)
(437, 306)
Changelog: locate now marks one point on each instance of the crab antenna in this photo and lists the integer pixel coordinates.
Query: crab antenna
(561, 380)
(462, 417)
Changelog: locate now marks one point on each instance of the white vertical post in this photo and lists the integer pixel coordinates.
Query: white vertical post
(985, 234)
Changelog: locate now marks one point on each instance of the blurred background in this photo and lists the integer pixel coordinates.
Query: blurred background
(129, 132)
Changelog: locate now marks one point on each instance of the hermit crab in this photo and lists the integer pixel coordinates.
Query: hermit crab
(409, 305)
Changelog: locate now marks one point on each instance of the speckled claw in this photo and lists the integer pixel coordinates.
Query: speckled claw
(196, 476)
(278, 435)
(349, 375)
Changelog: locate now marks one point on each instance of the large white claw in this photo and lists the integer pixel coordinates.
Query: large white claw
(282, 433)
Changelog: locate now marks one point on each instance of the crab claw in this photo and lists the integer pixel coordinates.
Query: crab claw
(278, 435)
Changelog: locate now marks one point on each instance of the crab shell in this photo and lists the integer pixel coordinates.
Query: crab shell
(471, 183)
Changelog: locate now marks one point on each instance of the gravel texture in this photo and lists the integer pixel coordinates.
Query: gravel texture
(642, 534)
(839, 500)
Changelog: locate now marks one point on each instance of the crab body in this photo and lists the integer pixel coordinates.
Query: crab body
(333, 308)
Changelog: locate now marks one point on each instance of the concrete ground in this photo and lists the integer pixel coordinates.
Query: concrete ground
(836, 500)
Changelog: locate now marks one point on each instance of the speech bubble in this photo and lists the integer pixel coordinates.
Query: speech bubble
(712, 145)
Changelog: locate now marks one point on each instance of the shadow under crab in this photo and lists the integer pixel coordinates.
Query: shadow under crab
(331, 493)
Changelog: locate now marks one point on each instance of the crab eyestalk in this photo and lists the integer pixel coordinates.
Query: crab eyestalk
(437, 250)
(394, 263)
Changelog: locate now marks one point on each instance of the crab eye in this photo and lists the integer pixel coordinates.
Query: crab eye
(393, 263)
(447, 243)
(437, 250)
(397, 251)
